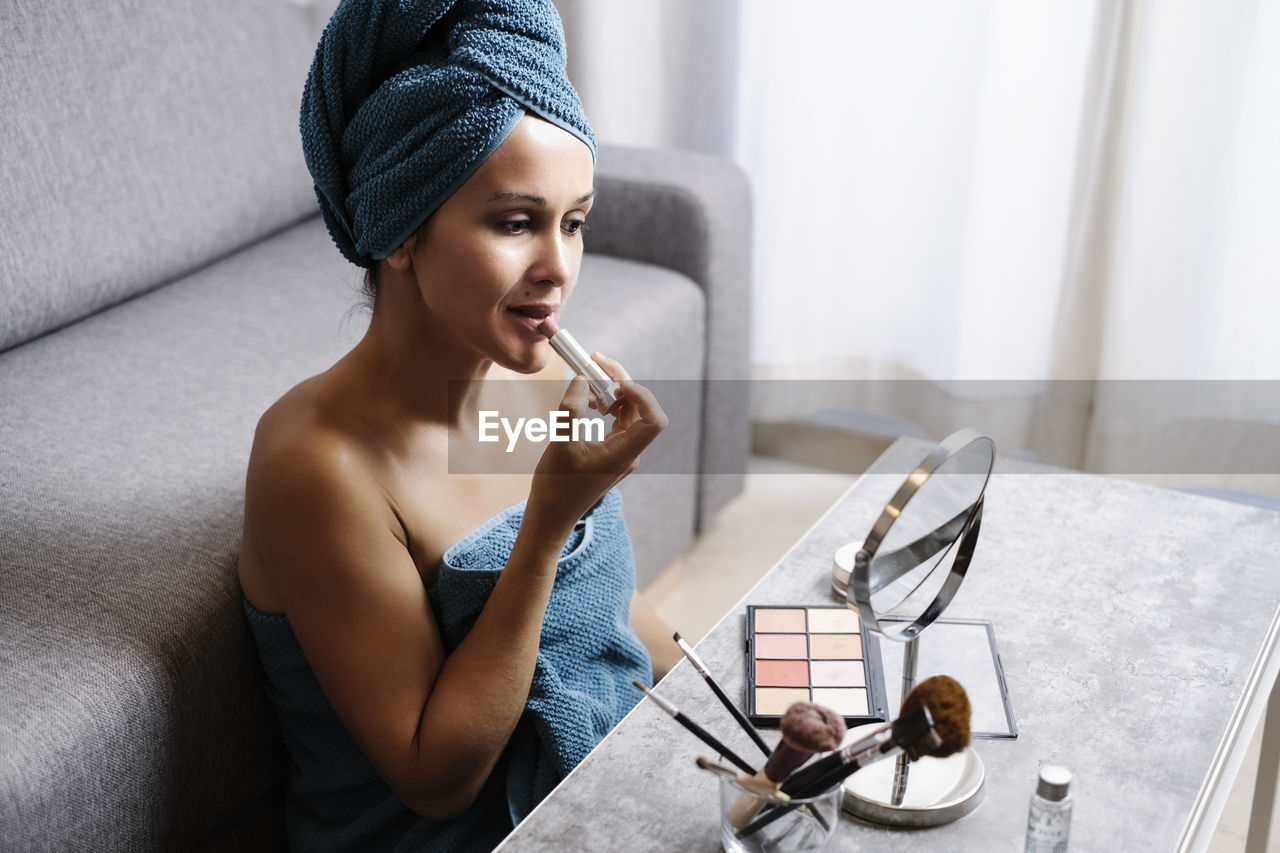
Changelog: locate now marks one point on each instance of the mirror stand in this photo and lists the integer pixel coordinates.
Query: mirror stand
(902, 766)
(928, 792)
(902, 579)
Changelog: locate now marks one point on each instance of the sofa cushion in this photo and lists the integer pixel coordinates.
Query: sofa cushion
(132, 714)
(140, 141)
(652, 320)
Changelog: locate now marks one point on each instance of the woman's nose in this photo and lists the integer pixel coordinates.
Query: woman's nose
(554, 261)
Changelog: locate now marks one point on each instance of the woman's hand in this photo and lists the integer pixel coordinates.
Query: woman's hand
(572, 475)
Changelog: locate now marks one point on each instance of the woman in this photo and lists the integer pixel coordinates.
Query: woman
(438, 653)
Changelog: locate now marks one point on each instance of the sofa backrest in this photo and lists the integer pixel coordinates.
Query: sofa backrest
(140, 140)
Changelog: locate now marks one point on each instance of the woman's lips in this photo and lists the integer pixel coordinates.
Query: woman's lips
(547, 326)
(531, 322)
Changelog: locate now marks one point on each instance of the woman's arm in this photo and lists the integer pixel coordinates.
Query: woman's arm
(433, 725)
(656, 635)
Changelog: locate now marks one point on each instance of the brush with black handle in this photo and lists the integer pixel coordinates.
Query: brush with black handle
(934, 721)
(806, 729)
(701, 667)
(702, 734)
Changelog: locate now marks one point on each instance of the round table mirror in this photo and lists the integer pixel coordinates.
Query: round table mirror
(903, 577)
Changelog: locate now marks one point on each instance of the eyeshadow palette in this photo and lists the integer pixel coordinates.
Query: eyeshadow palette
(812, 654)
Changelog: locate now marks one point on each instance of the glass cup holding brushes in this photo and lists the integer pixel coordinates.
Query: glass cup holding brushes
(805, 828)
(807, 729)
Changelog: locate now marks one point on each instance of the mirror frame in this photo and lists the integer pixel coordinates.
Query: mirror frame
(858, 595)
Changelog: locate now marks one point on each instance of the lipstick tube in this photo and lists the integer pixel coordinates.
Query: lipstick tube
(605, 390)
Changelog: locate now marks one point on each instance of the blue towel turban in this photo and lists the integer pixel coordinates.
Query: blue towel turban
(406, 98)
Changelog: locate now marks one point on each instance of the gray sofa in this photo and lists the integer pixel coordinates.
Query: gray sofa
(164, 276)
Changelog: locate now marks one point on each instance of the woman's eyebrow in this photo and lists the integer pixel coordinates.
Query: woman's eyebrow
(532, 199)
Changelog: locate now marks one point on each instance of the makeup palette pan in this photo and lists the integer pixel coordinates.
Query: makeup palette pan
(812, 654)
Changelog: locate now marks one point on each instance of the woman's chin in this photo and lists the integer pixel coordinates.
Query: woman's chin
(526, 363)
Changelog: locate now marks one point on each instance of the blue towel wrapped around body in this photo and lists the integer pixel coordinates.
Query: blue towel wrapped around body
(581, 688)
(588, 653)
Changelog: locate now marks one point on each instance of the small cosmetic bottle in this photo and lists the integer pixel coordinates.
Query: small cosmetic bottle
(1049, 820)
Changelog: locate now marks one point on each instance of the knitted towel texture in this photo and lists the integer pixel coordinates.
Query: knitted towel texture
(406, 98)
(588, 653)
(338, 803)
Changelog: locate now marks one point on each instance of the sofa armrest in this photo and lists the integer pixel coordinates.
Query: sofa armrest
(692, 213)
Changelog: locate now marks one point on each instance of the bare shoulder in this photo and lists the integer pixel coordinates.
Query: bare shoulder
(302, 440)
(312, 482)
(324, 545)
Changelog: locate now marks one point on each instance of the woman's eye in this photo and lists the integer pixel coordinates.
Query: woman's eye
(516, 226)
(575, 226)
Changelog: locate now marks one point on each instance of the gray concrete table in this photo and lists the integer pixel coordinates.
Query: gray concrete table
(1137, 627)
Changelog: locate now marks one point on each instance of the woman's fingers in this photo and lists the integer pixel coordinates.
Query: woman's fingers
(576, 399)
(637, 421)
(611, 367)
(645, 406)
(624, 415)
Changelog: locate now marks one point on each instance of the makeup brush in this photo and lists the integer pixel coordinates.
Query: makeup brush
(806, 728)
(934, 721)
(698, 730)
(759, 787)
(720, 694)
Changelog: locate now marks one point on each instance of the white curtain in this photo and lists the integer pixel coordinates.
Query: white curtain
(980, 192)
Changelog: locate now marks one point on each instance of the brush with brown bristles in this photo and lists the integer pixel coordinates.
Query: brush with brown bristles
(934, 721)
(806, 728)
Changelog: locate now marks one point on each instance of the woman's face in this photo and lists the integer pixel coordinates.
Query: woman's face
(504, 250)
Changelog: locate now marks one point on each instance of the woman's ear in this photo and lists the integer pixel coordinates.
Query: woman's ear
(402, 258)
